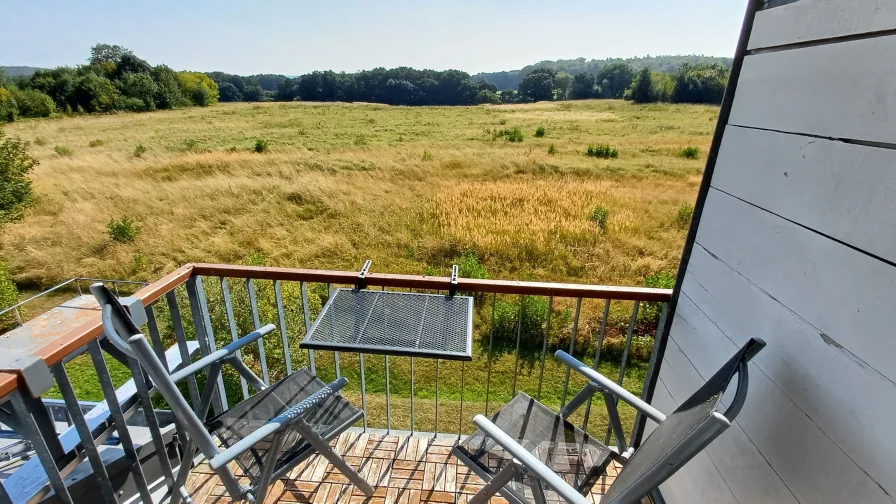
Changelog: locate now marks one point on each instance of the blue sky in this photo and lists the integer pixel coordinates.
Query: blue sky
(294, 37)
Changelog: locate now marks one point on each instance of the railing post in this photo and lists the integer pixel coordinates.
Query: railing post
(652, 367)
(204, 336)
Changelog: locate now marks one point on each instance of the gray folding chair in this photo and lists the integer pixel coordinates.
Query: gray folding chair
(529, 453)
(267, 435)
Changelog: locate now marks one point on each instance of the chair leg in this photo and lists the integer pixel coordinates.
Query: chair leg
(497, 482)
(186, 464)
(269, 463)
(322, 447)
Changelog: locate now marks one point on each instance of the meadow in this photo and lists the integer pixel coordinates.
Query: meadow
(414, 189)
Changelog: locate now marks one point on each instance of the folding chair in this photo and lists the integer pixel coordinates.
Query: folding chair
(529, 453)
(267, 435)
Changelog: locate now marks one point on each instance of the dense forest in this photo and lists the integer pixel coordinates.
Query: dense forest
(114, 79)
(666, 64)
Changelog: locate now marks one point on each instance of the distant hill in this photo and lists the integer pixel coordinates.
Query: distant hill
(510, 79)
(16, 71)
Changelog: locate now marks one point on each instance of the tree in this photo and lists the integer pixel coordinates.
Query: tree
(582, 86)
(700, 83)
(106, 53)
(229, 93)
(253, 93)
(33, 103)
(139, 87)
(198, 88)
(614, 80)
(538, 85)
(510, 96)
(562, 83)
(642, 89)
(94, 93)
(168, 93)
(131, 64)
(486, 96)
(15, 186)
(9, 109)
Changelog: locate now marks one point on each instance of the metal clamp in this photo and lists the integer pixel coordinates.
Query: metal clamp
(362, 276)
(34, 372)
(452, 289)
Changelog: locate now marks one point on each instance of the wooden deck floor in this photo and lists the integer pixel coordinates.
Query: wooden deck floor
(404, 470)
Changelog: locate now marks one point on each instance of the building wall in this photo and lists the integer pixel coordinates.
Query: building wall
(795, 243)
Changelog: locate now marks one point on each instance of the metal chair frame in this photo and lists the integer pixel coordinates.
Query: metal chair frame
(117, 325)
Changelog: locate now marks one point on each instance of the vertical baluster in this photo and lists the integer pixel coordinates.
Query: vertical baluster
(24, 410)
(388, 399)
(231, 324)
(282, 318)
(491, 338)
(363, 391)
(307, 316)
(210, 335)
(124, 435)
(177, 323)
(83, 430)
(253, 304)
(572, 348)
(115, 286)
(544, 346)
(412, 396)
(155, 336)
(463, 377)
(628, 343)
(436, 431)
(335, 354)
(140, 381)
(600, 342)
(651, 368)
(519, 330)
(18, 317)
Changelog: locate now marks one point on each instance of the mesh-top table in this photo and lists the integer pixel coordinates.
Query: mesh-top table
(394, 323)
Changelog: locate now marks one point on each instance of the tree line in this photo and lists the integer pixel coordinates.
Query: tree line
(114, 79)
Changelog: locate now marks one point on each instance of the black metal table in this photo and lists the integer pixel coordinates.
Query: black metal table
(394, 323)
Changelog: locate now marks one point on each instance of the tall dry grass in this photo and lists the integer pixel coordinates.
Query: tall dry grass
(342, 183)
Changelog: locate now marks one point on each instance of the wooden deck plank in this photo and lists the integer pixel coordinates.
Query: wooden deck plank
(403, 470)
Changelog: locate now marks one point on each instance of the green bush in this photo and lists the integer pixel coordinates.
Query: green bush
(602, 151)
(15, 186)
(468, 266)
(690, 152)
(552, 150)
(9, 295)
(640, 349)
(140, 150)
(600, 216)
(261, 146)
(684, 216)
(427, 156)
(539, 132)
(532, 327)
(63, 151)
(9, 109)
(649, 312)
(96, 143)
(513, 135)
(33, 103)
(123, 230)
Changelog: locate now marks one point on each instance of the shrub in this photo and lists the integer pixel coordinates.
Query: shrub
(9, 295)
(600, 216)
(468, 266)
(640, 349)
(33, 103)
(511, 135)
(684, 216)
(140, 150)
(552, 150)
(539, 132)
(602, 151)
(427, 156)
(15, 186)
(9, 109)
(649, 312)
(123, 230)
(690, 152)
(532, 327)
(96, 143)
(63, 151)
(40, 141)
(261, 146)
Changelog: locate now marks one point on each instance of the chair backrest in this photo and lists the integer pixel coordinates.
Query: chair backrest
(118, 326)
(685, 432)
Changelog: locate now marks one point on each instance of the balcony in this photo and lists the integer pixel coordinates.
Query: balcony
(415, 409)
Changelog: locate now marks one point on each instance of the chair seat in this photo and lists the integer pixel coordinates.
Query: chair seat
(564, 448)
(331, 417)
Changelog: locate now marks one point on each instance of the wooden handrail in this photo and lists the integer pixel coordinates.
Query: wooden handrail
(436, 283)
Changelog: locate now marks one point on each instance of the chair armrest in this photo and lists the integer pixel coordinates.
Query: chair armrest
(221, 353)
(608, 385)
(529, 461)
(288, 417)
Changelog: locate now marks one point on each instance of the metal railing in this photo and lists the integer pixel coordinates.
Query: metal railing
(77, 283)
(205, 306)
